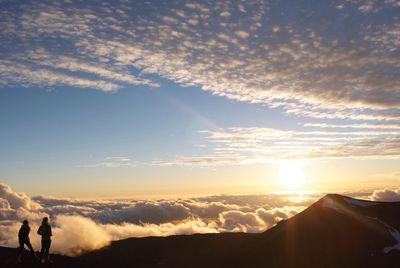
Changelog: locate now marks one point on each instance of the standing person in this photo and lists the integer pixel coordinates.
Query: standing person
(45, 231)
(23, 239)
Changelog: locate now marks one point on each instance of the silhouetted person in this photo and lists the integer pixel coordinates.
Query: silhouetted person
(23, 238)
(45, 231)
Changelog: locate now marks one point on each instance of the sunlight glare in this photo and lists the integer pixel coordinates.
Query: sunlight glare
(291, 175)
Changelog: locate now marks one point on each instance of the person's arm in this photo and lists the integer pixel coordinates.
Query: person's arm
(50, 233)
(39, 231)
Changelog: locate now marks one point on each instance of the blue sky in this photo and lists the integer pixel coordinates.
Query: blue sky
(68, 129)
(67, 121)
(170, 97)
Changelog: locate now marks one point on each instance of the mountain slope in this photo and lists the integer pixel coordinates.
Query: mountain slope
(336, 231)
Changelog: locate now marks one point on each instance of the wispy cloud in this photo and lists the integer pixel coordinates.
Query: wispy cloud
(25, 75)
(114, 162)
(237, 146)
(375, 126)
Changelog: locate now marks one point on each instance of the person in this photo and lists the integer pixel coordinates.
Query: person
(23, 239)
(45, 231)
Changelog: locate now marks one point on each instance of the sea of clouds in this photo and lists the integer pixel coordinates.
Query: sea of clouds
(83, 225)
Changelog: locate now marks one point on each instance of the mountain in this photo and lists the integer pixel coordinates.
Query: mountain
(336, 231)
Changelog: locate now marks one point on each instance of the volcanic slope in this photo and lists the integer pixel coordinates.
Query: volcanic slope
(336, 231)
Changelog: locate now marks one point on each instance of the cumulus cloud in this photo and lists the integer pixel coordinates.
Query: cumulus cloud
(235, 49)
(14, 200)
(82, 225)
(255, 221)
(386, 195)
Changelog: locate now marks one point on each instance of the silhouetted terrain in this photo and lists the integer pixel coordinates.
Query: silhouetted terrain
(336, 231)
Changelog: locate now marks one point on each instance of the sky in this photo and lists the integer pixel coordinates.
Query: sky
(193, 98)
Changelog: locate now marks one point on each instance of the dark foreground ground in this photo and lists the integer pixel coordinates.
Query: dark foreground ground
(335, 232)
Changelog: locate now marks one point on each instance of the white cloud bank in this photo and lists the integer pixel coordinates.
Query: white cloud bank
(83, 225)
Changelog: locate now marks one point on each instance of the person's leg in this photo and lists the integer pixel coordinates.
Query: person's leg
(43, 249)
(28, 243)
(46, 248)
(21, 248)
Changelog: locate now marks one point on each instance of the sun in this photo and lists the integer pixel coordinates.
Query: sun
(291, 175)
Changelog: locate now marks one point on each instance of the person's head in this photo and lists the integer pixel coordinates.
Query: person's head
(25, 222)
(45, 220)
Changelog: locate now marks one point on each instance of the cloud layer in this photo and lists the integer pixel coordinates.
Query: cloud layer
(82, 225)
(338, 60)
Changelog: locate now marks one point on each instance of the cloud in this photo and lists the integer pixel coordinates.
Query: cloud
(82, 225)
(359, 126)
(242, 34)
(368, 6)
(241, 221)
(14, 200)
(256, 221)
(42, 58)
(386, 195)
(252, 145)
(114, 162)
(146, 212)
(76, 233)
(14, 73)
(236, 50)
